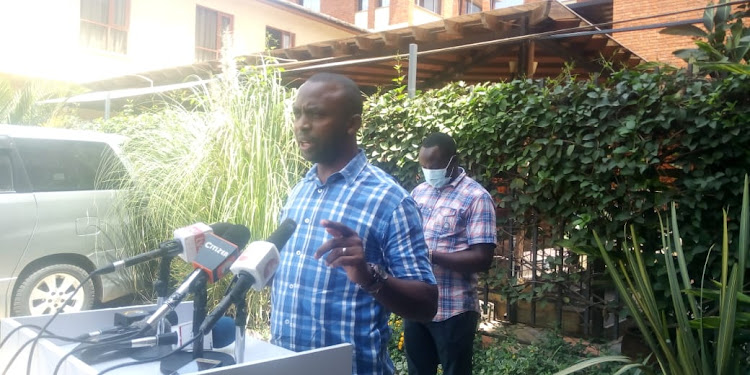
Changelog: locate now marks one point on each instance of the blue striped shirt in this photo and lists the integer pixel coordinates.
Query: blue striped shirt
(314, 305)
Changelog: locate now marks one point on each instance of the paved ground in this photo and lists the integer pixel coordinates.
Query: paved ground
(529, 335)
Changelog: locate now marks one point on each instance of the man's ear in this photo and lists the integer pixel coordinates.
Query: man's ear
(355, 122)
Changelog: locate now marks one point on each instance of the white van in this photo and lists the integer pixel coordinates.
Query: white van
(57, 218)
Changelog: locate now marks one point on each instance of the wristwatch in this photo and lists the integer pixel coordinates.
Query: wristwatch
(379, 276)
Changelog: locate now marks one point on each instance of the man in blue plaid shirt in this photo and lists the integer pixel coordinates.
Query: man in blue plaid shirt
(359, 252)
(460, 229)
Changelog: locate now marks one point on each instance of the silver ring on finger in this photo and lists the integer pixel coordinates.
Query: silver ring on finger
(343, 250)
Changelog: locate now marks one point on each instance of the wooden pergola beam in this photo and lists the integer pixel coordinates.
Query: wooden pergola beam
(452, 27)
(364, 43)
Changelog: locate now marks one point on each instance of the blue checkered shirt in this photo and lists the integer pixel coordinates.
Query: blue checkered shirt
(456, 216)
(314, 305)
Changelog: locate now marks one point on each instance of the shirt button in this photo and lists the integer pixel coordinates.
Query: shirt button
(307, 221)
(299, 253)
(286, 321)
(320, 190)
(291, 286)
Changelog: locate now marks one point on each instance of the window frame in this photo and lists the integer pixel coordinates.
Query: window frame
(314, 9)
(384, 3)
(219, 33)
(362, 5)
(438, 5)
(281, 42)
(109, 26)
(465, 4)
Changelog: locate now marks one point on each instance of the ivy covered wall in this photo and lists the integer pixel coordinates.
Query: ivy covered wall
(586, 154)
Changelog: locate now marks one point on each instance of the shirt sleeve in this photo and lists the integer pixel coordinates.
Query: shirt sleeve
(405, 249)
(481, 225)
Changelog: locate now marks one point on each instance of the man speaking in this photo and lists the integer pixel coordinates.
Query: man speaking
(358, 253)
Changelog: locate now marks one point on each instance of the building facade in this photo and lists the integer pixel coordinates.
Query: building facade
(87, 40)
(381, 15)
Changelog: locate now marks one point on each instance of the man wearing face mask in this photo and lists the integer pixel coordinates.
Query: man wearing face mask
(459, 226)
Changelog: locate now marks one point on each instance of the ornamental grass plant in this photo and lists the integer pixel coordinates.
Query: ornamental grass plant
(708, 332)
(224, 152)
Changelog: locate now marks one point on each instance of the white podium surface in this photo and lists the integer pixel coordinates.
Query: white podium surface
(260, 357)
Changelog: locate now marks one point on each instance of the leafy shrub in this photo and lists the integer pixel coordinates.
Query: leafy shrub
(507, 356)
(586, 154)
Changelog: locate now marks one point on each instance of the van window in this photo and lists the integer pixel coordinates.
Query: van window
(6, 172)
(65, 165)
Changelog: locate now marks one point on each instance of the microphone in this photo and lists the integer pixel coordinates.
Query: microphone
(212, 261)
(253, 268)
(186, 242)
(222, 334)
(162, 339)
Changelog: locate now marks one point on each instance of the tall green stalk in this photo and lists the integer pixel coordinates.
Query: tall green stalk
(678, 351)
(228, 155)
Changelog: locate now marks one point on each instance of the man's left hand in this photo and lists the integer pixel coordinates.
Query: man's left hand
(345, 250)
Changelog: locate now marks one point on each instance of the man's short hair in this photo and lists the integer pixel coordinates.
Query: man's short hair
(351, 91)
(444, 141)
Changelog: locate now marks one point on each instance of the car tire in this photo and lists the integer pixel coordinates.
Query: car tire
(43, 291)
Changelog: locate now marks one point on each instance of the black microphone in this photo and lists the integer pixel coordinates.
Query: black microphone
(212, 261)
(253, 268)
(162, 339)
(186, 242)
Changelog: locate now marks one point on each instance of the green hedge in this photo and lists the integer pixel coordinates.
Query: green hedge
(584, 155)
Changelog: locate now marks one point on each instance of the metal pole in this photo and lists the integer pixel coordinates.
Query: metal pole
(107, 104)
(411, 87)
(534, 259)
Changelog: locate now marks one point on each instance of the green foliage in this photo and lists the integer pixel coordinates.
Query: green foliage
(230, 156)
(19, 102)
(724, 37)
(585, 154)
(507, 356)
(688, 342)
(550, 354)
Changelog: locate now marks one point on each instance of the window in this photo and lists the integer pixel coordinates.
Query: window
(210, 26)
(384, 3)
(497, 4)
(433, 5)
(470, 7)
(54, 165)
(361, 5)
(276, 38)
(6, 173)
(104, 25)
(313, 5)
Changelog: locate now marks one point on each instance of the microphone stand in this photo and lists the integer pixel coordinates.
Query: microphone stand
(161, 287)
(200, 296)
(200, 299)
(240, 321)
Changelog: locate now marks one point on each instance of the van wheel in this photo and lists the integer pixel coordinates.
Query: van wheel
(46, 289)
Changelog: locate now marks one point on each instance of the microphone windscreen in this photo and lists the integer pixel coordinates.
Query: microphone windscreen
(223, 332)
(236, 234)
(281, 235)
(221, 228)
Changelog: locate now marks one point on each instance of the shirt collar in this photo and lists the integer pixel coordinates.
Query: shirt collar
(349, 172)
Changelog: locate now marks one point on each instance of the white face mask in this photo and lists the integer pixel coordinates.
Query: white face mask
(438, 178)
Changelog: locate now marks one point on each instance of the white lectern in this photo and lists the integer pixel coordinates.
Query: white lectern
(261, 358)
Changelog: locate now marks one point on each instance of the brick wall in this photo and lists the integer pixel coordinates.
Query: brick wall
(401, 11)
(649, 44)
(343, 10)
